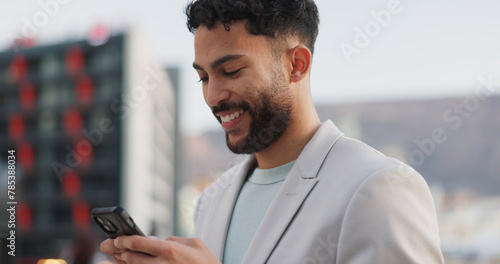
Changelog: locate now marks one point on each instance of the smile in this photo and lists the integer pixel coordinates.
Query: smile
(230, 117)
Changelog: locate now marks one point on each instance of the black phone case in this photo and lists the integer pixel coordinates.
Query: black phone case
(115, 221)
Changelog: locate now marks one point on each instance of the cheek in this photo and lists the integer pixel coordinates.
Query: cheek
(252, 85)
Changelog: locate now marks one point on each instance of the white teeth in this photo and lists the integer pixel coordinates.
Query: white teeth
(229, 118)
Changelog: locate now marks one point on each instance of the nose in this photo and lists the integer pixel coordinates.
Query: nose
(215, 93)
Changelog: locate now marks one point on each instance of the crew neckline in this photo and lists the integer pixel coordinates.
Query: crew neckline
(272, 175)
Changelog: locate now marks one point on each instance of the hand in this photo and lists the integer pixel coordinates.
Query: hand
(127, 250)
(108, 247)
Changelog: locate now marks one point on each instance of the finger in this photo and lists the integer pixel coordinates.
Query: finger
(177, 239)
(191, 242)
(132, 257)
(108, 247)
(150, 246)
(117, 261)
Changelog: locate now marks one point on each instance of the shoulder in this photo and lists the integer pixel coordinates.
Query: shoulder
(354, 162)
(356, 151)
(363, 170)
(389, 208)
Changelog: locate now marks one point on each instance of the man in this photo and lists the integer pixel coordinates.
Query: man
(307, 194)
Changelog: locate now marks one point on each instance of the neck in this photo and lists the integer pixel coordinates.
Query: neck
(288, 147)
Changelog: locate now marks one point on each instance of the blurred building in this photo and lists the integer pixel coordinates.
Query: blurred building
(93, 124)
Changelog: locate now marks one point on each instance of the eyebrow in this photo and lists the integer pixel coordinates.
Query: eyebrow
(220, 61)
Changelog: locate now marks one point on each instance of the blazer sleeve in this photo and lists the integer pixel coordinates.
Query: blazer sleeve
(390, 218)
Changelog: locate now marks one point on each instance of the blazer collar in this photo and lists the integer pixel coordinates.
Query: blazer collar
(225, 192)
(314, 153)
(299, 182)
(295, 189)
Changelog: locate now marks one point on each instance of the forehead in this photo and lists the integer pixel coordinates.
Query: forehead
(216, 42)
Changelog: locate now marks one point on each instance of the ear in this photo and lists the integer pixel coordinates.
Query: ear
(300, 57)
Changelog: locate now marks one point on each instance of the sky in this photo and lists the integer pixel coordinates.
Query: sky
(367, 50)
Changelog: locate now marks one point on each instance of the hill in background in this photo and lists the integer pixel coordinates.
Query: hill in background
(451, 142)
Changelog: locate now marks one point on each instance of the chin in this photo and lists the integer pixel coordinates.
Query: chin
(236, 144)
(235, 140)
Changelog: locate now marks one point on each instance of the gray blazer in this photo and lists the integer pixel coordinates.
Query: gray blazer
(343, 202)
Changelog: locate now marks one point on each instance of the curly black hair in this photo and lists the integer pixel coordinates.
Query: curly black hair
(274, 18)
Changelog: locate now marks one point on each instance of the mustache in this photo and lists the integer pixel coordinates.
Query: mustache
(225, 106)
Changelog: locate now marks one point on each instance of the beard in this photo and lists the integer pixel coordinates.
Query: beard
(269, 117)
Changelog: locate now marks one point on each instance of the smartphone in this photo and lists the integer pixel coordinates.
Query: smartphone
(115, 221)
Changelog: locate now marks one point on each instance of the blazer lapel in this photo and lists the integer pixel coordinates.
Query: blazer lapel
(296, 187)
(225, 200)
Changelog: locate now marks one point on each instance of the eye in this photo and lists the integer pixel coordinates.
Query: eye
(230, 74)
(203, 79)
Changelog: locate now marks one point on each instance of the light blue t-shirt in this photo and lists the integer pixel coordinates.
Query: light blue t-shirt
(253, 201)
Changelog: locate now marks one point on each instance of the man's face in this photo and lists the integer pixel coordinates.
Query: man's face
(244, 85)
